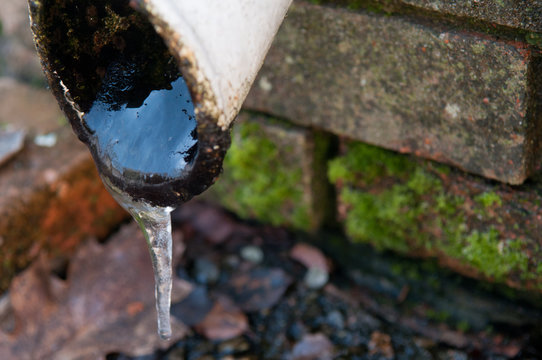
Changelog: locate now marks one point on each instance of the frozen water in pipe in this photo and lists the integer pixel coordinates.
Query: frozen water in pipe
(141, 137)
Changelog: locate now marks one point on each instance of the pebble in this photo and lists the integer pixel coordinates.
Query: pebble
(313, 347)
(7, 318)
(453, 355)
(206, 271)
(11, 142)
(176, 354)
(296, 331)
(236, 345)
(315, 278)
(252, 253)
(335, 319)
(47, 140)
(231, 261)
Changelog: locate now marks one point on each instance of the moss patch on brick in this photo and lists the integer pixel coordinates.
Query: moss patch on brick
(258, 183)
(399, 203)
(495, 256)
(488, 199)
(534, 39)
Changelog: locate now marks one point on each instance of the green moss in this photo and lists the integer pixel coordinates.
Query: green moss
(463, 326)
(378, 219)
(398, 203)
(256, 183)
(440, 316)
(491, 255)
(534, 39)
(488, 199)
(387, 218)
(368, 161)
(478, 48)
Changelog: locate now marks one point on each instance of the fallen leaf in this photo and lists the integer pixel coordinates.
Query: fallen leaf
(510, 350)
(201, 215)
(258, 289)
(310, 257)
(106, 305)
(224, 321)
(313, 347)
(380, 343)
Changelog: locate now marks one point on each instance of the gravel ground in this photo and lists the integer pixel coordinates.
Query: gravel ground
(288, 300)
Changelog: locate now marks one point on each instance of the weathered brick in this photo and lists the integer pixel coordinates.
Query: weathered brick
(477, 227)
(50, 198)
(460, 98)
(275, 172)
(525, 14)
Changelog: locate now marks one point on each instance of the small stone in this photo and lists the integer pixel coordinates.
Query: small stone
(259, 288)
(252, 253)
(335, 319)
(313, 347)
(194, 308)
(233, 346)
(231, 261)
(11, 142)
(177, 353)
(47, 140)
(265, 85)
(453, 355)
(296, 331)
(7, 320)
(315, 278)
(206, 271)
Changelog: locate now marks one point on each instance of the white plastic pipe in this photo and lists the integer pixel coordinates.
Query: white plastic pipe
(220, 45)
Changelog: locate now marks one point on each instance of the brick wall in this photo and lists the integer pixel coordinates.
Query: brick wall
(429, 112)
(460, 92)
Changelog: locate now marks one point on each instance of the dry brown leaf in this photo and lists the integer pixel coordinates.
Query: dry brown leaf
(201, 216)
(224, 321)
(310, 257)
(105, 305)
(380, 343)
(258, 289)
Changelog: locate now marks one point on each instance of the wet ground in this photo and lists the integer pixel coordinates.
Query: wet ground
(257, 292)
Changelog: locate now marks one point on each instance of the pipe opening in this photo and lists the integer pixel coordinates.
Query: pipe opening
(123, 92)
